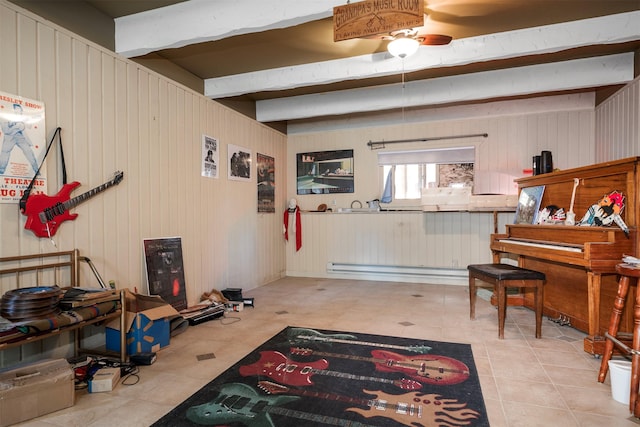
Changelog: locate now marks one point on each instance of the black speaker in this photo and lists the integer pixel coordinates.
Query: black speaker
(546, 162)
(232, 294)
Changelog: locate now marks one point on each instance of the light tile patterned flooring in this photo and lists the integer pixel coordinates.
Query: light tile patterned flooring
(525, 382)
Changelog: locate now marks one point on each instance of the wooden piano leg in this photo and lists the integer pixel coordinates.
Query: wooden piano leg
(614, 324)
(593, 292)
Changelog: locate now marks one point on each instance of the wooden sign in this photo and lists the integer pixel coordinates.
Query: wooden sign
(372, 17)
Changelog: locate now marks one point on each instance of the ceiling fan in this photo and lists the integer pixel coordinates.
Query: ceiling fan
(405, 42)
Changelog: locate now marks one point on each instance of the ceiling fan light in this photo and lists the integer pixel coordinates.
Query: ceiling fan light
(403, 47)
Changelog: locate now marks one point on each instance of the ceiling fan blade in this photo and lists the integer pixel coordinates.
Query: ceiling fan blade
(435, 39)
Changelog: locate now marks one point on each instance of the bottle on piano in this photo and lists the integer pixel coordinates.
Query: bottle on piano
(536, 165)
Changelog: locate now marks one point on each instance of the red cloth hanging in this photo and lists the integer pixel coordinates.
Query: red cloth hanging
(298, 225)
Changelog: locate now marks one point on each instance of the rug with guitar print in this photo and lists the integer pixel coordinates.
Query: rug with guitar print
(312, 377)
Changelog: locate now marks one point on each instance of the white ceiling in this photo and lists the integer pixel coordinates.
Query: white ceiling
(280, 56)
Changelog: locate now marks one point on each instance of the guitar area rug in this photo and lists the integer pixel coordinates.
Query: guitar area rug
(310, 377)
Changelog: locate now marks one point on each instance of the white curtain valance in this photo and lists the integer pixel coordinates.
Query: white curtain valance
(437, 155)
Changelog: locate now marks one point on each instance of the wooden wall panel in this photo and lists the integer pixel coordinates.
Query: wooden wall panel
(117, 115)
(618, 124)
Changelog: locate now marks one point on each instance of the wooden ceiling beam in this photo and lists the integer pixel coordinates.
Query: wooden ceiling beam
(546, 39)
(543, 78)
(192, 22)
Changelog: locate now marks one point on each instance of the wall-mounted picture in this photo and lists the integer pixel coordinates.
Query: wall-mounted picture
(210, 157)
(265, 168)
(529, 205)
(239, 163)
(22, 146)
(324, 172)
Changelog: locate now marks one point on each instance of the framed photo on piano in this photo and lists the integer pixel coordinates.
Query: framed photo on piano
(529, 205)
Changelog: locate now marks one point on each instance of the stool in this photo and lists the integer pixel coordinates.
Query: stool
(628, 274)
(503, 276)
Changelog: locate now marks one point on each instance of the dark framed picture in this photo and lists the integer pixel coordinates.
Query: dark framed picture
(529, 205)
(325, 172)
(265, 166)
(165, 271)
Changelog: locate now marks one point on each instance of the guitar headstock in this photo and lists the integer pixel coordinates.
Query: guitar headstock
(406, 384)
(301, 351)
(117, 177)
(421, 349)
(272, 388)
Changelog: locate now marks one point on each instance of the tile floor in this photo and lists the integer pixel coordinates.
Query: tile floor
(525, 382)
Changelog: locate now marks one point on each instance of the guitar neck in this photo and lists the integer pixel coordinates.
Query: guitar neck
(273, 388)
(71, 203)
(352, 376)
(324, 419)
(415, 349)
(340, 356)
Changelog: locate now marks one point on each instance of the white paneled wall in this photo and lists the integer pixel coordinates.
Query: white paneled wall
(618, 124)
(117, 115)
(517, 131)
(450, 240)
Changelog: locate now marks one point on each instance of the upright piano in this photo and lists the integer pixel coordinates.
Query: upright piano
(579, 261)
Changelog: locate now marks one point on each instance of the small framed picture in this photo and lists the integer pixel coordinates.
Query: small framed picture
(239, 163)
(529, 205)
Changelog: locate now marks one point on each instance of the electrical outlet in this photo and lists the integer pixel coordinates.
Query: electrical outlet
(454, 263)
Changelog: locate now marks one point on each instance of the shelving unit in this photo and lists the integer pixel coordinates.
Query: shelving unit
(59, 269)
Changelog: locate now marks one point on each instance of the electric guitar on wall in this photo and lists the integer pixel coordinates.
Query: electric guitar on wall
(46, 213)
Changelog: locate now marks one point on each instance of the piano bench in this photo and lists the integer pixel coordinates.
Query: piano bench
(503, 276)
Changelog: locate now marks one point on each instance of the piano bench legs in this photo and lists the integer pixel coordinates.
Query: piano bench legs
(503, 276)
(628, 276)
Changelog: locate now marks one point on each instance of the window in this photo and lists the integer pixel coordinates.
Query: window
(414, 170)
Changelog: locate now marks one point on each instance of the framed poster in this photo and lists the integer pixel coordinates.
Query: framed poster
(529, 205)
(210, 157)
(265, 168)
(22, 146)
(165, 271)
(325, 172)
(239, 163)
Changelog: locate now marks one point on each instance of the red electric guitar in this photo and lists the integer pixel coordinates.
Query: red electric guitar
(425, 368)
(46, 213)
(276, 366)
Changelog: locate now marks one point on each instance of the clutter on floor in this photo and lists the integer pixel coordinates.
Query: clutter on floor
(34, 389)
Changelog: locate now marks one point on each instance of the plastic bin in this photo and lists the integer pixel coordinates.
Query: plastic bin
(620, 371)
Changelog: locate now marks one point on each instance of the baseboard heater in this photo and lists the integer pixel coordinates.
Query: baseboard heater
(388, 272)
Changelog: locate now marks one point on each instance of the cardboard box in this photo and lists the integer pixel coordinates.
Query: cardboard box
(105, 379)
(35, 389)
(147, 324)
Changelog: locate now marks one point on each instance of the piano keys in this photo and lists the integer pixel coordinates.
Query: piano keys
(579, 261)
